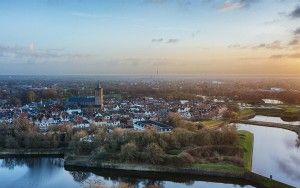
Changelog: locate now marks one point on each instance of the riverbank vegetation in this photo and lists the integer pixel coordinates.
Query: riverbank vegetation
(22, 135)
(286, 112)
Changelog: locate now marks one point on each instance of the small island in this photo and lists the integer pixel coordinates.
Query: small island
(205, 149)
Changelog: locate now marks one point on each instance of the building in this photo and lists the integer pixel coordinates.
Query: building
(99, 96)
(141, 125)
(84, 101)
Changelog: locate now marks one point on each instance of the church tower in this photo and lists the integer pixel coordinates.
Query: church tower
(99, 96)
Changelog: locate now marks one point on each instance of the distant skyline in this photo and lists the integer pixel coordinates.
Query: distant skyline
(61, 37)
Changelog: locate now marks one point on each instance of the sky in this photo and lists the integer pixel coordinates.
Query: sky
(96, 37)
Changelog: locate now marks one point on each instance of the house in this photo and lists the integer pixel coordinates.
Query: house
(141, 125)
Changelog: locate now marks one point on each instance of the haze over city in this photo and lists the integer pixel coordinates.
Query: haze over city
(60, 37)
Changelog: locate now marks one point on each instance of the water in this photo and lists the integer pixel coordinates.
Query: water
(276, 152)
(273, 120)
(50, 172)
(272, 101)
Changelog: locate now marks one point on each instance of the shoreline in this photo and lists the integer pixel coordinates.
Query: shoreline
(5, 153)
(244, 177)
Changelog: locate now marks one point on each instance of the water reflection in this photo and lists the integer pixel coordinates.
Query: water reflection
(276, 153)
(31, 163)
(80, 177)
(49, 173)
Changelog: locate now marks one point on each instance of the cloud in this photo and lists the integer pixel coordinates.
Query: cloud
(297, 31)
(280, 56)
(230, 5)
(168, 41)
(32, 53)
(291, 56)
(275, 21)
(296, 12)
(276, 45)
(158, 40)
(172, 41)
(237, 46)
(294, 42)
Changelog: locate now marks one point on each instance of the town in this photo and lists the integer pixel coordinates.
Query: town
(84, 111)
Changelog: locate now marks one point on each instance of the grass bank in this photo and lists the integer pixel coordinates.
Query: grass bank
(285, 112)
(213, 123)
(246, 142)
(246, 114)
(219, 167)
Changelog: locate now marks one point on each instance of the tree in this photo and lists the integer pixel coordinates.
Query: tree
(230, 115)
(186, 158)
(129, 152)
(155, 153)
(78, 135)
(11, 142)
(30, 96)
(15, 101)
(174, 119)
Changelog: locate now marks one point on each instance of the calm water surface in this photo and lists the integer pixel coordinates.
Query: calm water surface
(50, 172)
(276, 152)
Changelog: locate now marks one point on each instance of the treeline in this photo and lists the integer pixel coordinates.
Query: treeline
(28, 96)
(22, 134)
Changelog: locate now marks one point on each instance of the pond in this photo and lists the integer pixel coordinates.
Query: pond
(273, 120)
(276, 152)
(50, 172)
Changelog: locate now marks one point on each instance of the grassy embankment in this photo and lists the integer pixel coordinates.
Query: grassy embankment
(286, 112)
(216, 123)
(246, 142)
(246, 114)
(213, 123)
